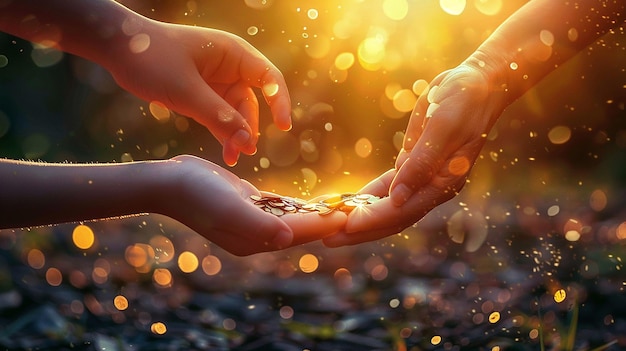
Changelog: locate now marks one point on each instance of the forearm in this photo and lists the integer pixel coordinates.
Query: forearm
(541, 36)
(88, 28)
(35, 193)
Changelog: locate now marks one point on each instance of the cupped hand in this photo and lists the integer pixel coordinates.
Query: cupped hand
(206, 74)
(446, 131)
(216, 204)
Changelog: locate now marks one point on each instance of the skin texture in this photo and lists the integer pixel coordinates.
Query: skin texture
(191, 190)
(449, 124)
(205, 74)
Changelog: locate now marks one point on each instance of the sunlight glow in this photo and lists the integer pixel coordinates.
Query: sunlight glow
(453, 7)
(308, 263)
(395, 9)
(83, 237)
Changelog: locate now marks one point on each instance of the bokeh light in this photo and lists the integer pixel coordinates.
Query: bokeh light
(83, 237)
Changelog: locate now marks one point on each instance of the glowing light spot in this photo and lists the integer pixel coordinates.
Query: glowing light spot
(162, 277)
(253, 30)
(36, 259)
(560, 295)
(394, 303)
(163, 248)
(211, 265)
(398, 140)
(158, 328)
(139, 43)
(286, 312)
(572, 34)
(513, 66)
(494, 317)
(45, 55)
(560, 135)
(488, 7)
(419, 86)
(259, 4)
(138, 255)
(120, 302)
(363, 147)
(431, 109)
(308, 263)
(312, 14)
(453, 7)
(553, 210)
(270, 89)
(343, 278)
(54, 276)
(226, 115)
(371, 53)
(404, 100)
(83, 237)
(546, 37)
(435, 340)
(159, 111)
(344, 60)
(229, 324)
(264, 162)
(187, 262)
(620, 232)
(395, 9)
(4, 61)
(328, 127)
(533, 334)
(598, 200)
(459, 166)
(572, 235)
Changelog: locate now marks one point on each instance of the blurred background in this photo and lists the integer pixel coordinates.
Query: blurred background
(542, 214)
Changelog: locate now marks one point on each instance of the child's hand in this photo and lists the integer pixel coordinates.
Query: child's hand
(206, 74)
(216, 204)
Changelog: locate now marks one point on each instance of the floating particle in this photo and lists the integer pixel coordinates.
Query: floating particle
(308, 263)
(494, 317)
(187, 262)
(120, 302)
(435, 340)
(211, 265)
(253, 30)
(560, 295)
(488, 7)
(312, 14)
(83, 237)
(560, 135)
(395, 9)
(453, 7)
(158, 328)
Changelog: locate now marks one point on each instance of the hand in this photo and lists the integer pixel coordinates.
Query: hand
(216, 204)
(206, 74)
(442, 141)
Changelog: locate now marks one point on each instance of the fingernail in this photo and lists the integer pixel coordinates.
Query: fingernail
(240, 137)
(400, 194)
(283, 239)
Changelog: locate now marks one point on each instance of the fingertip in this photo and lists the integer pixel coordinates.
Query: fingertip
(230, 153)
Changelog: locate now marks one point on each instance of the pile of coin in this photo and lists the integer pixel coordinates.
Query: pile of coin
(280, 205)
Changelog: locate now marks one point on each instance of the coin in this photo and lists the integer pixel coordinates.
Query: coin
(281, 205)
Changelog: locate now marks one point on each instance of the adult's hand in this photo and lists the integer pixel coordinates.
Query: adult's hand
(445, 134)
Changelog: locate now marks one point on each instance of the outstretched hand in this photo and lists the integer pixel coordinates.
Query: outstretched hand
(205, 74)
(445, 134)
(216, 204)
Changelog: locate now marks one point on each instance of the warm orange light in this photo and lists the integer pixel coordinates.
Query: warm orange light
(83, 237)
